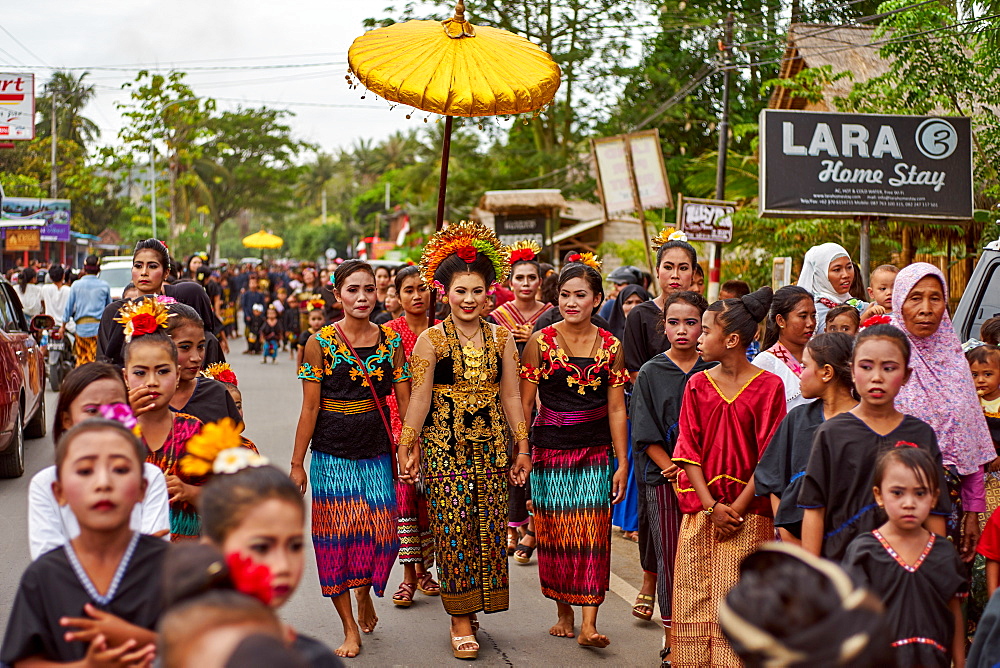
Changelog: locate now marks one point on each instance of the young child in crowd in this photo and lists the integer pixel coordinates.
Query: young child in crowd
(254, 343)
(837, 488)
(196, 394)
(880, 289)
(734, 289)
(826, 377)
(89, 391)
(317, 320)
(252, 301)
(271, 335)
(984, 363)
(728, 416)
(845, 319)
(917, 573)
(989, 331)
(223, 373)
(655, 411)
(291, 323)
(130, 292)
(213, 604)
(152, 376)
(255, 511)
(107, 568)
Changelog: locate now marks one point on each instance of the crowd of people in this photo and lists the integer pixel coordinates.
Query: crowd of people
(810, 473)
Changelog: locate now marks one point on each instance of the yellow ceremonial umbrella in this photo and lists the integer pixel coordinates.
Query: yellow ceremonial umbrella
(263, 239)
(453, 68)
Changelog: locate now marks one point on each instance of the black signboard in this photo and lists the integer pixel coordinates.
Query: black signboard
(843, 165)
(512, 228)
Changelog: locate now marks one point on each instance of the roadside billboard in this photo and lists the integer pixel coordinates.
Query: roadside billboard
(631, 175)
(833, 165)
(706, 219)
(17, 106)
(511, 228)
(55, 213)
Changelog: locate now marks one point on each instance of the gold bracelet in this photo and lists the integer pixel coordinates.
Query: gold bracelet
(520, 431)
(408, 436)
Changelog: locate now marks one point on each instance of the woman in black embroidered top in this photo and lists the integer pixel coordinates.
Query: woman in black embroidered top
(465, 405)
(353, 495)
(579, 373)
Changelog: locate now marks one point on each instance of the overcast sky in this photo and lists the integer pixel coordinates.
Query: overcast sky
(188, 34)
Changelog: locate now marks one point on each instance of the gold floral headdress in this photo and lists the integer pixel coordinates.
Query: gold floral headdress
(464, 239)
(142, 317)
(588, 259)
(668, 234)
(222, 372)
(218, 448)
(523, 251)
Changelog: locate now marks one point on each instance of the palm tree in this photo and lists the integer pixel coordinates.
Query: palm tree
(72, 95)
(313, 185)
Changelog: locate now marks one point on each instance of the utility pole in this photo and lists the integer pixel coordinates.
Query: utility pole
(725, 45)
(53, 176)
(152, 184)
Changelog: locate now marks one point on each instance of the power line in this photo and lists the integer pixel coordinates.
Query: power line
(706, 71)
(912, 37)
(220, 68)
(21, 44)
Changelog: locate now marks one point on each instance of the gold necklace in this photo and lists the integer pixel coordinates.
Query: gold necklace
(472, 357)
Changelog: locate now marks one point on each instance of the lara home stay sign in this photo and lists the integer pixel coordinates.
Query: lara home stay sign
(843, 165)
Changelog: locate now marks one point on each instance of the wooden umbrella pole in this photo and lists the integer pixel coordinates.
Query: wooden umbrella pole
(443, 186)
(442, 191)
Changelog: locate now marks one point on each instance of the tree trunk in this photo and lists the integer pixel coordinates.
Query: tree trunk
(213, 238)
(172, 222)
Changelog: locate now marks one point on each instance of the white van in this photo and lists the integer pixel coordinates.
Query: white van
(981, 299)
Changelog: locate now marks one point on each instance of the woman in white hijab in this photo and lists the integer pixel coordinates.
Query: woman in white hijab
(827, 273)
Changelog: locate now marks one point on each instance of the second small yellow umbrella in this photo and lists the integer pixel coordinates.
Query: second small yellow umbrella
(263, 239)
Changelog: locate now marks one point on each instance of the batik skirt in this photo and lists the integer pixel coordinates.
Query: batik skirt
(706, 569)
(85, 349)
(416, 542)
(467, 501)
(664, 516)
(353, 522)
(571, 493)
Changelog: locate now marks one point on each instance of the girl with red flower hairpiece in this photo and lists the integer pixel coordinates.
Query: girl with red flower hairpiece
(519, 317)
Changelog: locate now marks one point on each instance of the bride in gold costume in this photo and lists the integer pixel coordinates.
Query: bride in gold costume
(464, 405)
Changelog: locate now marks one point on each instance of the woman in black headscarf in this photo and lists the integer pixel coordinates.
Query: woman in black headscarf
(622, 305)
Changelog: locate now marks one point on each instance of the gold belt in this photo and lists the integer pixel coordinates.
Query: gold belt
(350, 407)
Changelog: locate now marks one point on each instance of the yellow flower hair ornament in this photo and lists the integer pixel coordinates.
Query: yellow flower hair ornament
(314, 304)
(588, 259)
(222, 372)
(209, 451)
(464, 239)
(142, 317)
(667, 234)
(523, 251)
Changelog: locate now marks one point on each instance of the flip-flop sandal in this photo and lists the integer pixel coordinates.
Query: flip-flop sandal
(643, 602)
(427, 585)
(527, 550)
(403, 598)
(665, 658)
(511, 543)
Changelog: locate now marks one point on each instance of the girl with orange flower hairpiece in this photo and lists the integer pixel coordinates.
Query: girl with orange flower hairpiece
(464, 373)
(152, 376)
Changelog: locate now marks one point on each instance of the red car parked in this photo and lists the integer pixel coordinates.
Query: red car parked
(22, 383)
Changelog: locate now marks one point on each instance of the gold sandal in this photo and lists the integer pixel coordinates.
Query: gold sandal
(458, 641)
(643, 602)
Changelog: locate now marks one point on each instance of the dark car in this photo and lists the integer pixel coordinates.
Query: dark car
(22, 383)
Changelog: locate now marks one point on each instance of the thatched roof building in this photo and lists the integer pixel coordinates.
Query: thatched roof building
(844, 48)
(520, 201)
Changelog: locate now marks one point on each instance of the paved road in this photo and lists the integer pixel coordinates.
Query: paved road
(416, 636)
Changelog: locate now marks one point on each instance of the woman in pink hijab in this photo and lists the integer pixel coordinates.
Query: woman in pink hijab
(940, 392)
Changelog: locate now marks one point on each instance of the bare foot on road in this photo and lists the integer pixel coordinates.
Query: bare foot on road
(563, 628)
(352, 645)
(591, 638)
(367, 619)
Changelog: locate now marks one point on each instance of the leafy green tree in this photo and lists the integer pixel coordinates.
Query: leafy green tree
(248, 163)
(164, 109)
(72, 94)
